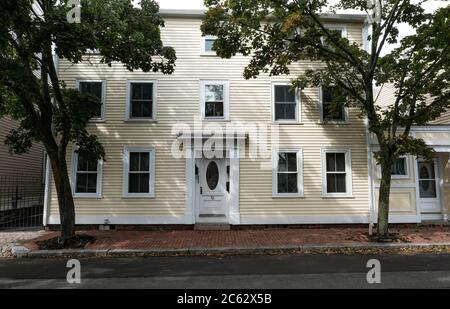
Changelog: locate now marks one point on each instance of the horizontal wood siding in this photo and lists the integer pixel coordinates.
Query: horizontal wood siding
(250, 101)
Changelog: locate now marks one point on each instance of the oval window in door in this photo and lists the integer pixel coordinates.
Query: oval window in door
(212, 175)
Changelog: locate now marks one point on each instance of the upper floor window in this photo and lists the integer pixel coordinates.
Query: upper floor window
(86, 176)
(97, 88)
(141, 100)
(139, 172)
(334, 29)
(285, 103)
(207, 44)
(287, 173)
(331, 111)
(214, 100)
(337, 174)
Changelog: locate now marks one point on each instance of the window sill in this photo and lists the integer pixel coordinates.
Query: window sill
(141, 120)
(288, 122)
(215, 120)
(97, 120)
(138, 196)
(288, 195)
(346, 122)
(338, 196)
(82, 196)
(208, 55)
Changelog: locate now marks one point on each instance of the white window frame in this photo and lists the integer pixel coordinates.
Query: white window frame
(336, 27)
(298, 106)
(226, 100)
(103, 98)
(348, 171)
(398, 176)
(299, 152)
(322, 120)
(126, 167)
(204, 52)
(154, 103)
(98, 193)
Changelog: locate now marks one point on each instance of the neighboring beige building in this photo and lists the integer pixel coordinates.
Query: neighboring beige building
(306, 170)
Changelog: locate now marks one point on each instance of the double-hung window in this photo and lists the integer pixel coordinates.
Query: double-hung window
(214, 100)
(97, 88)
(330, 109)
(287, 173)
(336, 172)
(86, 176)
(338, 30)
(285, 103)
(141, 100)
(139, 172)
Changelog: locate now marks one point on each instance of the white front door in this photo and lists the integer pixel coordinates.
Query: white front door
(212, 190)
(429, 193)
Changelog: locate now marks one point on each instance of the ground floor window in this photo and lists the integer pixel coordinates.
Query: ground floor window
(139, 172)
(86, 176)
(287, 173)
(336, 167)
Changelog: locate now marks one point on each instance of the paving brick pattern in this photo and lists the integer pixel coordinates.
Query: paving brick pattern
(9, 239)
(246, 238)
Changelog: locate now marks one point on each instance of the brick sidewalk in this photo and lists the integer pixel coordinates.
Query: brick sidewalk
(246, 238)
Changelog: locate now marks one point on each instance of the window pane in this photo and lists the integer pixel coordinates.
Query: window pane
(82, 164)
(214, 93)
(141, 91)
(92, 183)
(327, 94)
(399, 167)
(144, 182)
(82, 181)
(282, 162)
(214, 109)
(133, 183)
(284, 93)
(144, 161)
(134, 161)
(292, 161)
(141, 109)
(336, 183)
(427, 188)
(285, 111)
(287, 183)
(292, 183)
(209, 44)
(92, 87)
(335, 162)
(329, 111)
(426, 170)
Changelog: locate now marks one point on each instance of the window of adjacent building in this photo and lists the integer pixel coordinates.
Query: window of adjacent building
(139, 172)
(87, 176)
(287, 173)
(96, 88)
(399, 169)
(214, 100)
(141, 100)
(207, 44)
(336, 167)
(285, 106)
(331, 112)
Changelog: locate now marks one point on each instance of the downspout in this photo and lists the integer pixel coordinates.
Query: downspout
(46, 192)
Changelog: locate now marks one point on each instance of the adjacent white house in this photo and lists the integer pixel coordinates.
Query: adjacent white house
(289, 158)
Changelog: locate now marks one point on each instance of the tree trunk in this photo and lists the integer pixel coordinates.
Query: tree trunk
(383, 199)
(64, 193)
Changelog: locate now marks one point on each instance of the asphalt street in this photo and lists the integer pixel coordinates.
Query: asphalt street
(236, 272)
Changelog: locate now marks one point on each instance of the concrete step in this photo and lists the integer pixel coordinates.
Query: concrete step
(211, 226)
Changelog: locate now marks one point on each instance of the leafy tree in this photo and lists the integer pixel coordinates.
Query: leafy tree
(31, 92)
(277, 33)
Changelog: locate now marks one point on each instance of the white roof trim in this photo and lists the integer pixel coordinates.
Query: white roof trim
(201, 13)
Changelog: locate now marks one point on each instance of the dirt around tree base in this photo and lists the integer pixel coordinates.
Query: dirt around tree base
(56, 243)
(390, 238)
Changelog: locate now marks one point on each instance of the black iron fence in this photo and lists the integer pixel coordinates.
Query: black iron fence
(21, 201)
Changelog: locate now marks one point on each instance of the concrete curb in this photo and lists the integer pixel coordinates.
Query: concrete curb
(305, 249)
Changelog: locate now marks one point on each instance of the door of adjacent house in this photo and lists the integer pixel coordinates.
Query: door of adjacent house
(429, 194)
(212, 191)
